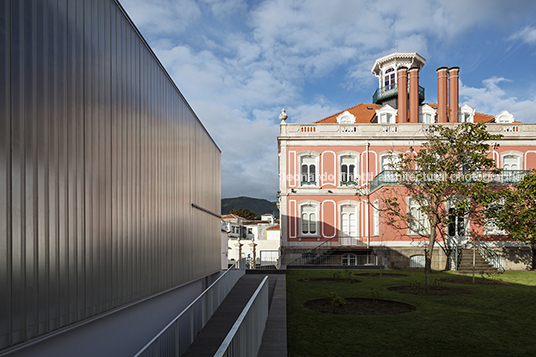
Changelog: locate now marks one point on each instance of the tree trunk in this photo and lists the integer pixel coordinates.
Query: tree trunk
(428, 255)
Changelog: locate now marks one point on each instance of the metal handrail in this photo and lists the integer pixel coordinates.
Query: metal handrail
(245, 337)
(315, 254)
(168, 341)
(489, 254)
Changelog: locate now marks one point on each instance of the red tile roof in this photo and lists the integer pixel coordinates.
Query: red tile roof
(361, 112)
(273, 228)
(365, 113)
(230, 216)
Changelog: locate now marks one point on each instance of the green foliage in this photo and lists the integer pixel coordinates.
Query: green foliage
(336, 300)
(443, 170)
(514, 210)
(375, 293)
(244, 213)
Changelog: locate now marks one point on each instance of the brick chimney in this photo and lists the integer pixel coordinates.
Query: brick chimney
(442, 77)
(402, 94)
(414, 95)
(454, 74)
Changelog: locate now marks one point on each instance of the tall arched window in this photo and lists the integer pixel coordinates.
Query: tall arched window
(389, 79)
(348, 165)
(309, 219)
(349, 222)
(376, 218)
(510, 162)
(308, 170)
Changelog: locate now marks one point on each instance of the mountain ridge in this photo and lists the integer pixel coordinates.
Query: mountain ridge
(258, 205)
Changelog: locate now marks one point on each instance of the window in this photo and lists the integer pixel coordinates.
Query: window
(390, 162)
(349, 259)
(466, 114)
(386, 118)
(417, 219)
(456, 227)
(346, 118)
(348, 165)
(510, 162)
(490, 227)
(417, 261)
(348, 221)
(308, 170)
(427, 114)
(376, 218)
(386, 114)
(504, 117)
(308, 219)
(389, 79)
(465, 118)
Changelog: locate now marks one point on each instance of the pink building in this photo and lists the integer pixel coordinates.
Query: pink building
(323, 165)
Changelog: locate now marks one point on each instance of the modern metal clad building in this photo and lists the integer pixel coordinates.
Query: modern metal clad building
(109, 183)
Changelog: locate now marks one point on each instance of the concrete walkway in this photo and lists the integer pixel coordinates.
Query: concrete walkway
(274, 341)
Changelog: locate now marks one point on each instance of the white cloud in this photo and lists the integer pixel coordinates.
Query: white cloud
(492, 99)
(527, 35)
(162, 16)
(238, 63)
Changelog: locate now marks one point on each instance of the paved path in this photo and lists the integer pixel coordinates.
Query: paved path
(274, 342)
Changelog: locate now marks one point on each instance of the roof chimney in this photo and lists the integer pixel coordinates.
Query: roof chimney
(402, 94)
(413, 95)
(453, 93)
(442, 76)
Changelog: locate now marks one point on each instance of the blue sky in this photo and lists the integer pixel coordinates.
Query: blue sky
(239, 62)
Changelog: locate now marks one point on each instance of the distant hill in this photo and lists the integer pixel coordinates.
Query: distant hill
(257, 205)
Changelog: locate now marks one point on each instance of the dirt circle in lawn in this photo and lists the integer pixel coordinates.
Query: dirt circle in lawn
(360, 306)
(381, 275)
(329, 281)
(432, 290)
(469, 280)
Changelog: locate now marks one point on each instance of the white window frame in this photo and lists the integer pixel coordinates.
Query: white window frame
(504, 117)
(386, 115)
(517, 154)
(394, 157)
(448, 205)
(425, 111)
(347, 258)
(315, 156)
(391, 76)
(490, 228)
(421, 223)
(466, 114)
(354, 155)
(343, 238)
(316, 207)
(376, 217)
(346, 118)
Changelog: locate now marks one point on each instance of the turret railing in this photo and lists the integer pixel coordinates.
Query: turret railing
(392, 91)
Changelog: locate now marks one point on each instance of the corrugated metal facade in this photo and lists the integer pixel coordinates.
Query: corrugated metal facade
(101, 159)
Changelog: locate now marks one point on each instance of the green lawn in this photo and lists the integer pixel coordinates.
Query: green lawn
(496, 320)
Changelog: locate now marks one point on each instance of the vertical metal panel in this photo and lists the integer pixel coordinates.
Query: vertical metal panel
(5, 173)
(100, 160)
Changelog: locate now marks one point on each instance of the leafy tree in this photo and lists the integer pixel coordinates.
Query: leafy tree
(514, 210)
(446, 169)
(244, 213)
